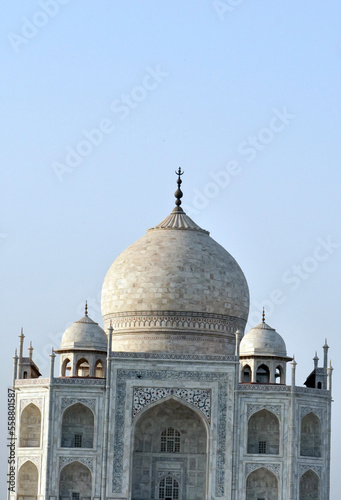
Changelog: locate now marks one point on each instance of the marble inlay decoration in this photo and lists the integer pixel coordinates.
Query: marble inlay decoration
(144, 396)
(315, 468)
(31, 458)
(275, 468)
(276, 409)
(88, 462)
(309, 409)
(26, 402)
(91, 403)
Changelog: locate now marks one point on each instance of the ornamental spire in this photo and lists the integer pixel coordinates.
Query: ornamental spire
(263, 316)
(178, 193)
(86, 308)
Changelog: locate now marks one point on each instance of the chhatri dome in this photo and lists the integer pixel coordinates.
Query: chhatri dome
(262, 340)
(175, 289)
(84, 334)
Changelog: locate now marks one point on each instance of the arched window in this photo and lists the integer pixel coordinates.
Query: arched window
(170, 440)
(77, 427)
(168, 489)
(83, 368)
(261, 484)
(25, 374)
(309, 486)
(75, 482)
(319, 385)
(263, 433)
(262, 375)
(246, 374)
(66, 370)
(311, 436)
(28, 481)
(99, 373)
(30, 427)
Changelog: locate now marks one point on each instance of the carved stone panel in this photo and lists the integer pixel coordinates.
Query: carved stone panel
(275, 468)
(144, 396)
(36, 401)
(251, 409)
(91, 403)
(87, 461)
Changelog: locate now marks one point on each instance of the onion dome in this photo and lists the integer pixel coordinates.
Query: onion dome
(84, 334)
(262, 340)
(175, 289)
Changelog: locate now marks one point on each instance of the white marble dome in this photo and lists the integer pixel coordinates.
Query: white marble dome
(177, 280)
(262, 340)
(84, 334)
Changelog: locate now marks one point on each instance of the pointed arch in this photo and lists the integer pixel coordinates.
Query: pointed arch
(310, 486)
(169, 419)
(28, 481)
(246, 374)
(311, 436)
(262, 483)
(168, 488)
(66, 368)
(99, 369)
(77, 427)
(75, 478)
(263, 433)
(83, 368)
(263, 374)
(30, 427)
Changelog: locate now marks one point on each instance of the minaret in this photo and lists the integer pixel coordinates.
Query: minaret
(30, 351)
(325, 363)
(21, 353)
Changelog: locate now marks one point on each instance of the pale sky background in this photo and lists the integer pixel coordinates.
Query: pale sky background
(227, 74)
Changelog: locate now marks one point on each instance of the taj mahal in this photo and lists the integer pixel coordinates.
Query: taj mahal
(172, 399)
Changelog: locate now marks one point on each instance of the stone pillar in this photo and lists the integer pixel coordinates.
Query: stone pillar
(329, 374)
(106, 417)
(49, 427)
(253, 370)
(15, 368)
(272, 369)
(292, 434)
(236, 353)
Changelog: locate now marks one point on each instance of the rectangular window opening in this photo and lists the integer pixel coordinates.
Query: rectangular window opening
(261, 449)
(77, 443)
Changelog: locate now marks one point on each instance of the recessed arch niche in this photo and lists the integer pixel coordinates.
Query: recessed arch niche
(75, 478)
(261, 483)
(28, 481)
(309, 486)
(185, 461)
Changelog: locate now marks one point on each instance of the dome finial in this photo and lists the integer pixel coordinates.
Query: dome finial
(263, 316)
(178, 193)
(86, 308)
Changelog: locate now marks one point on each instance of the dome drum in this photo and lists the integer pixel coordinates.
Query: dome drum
(175, 280)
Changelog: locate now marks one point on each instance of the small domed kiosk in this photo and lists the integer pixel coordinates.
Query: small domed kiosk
(83, 349)
(263, 356)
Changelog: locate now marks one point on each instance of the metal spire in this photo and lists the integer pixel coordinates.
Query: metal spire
(86, 308)
(178, 193)
(263, 316)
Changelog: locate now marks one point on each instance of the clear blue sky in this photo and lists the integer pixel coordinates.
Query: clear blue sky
(245, 96)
